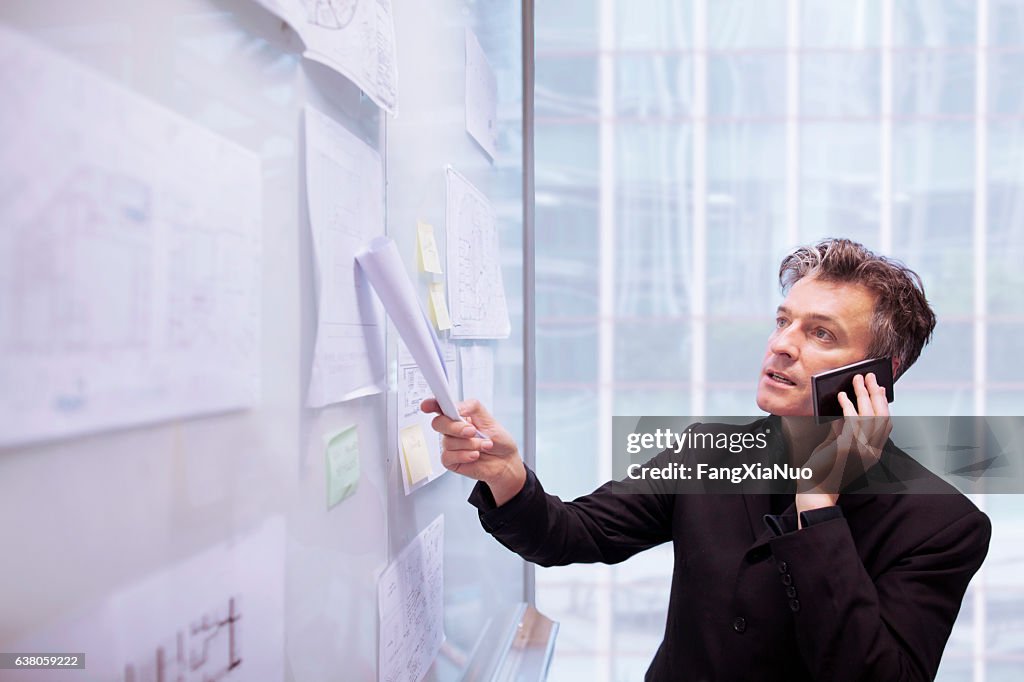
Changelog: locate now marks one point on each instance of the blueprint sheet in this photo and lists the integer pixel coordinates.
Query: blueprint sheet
(476, 290)
(356, 38)
(129, 256)
(345, 195)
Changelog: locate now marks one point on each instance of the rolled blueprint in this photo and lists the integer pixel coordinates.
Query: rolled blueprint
(384, 268)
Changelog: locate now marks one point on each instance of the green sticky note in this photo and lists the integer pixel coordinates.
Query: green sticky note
(342, 464)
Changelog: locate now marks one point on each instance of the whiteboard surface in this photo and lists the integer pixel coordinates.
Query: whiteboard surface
(97, 514)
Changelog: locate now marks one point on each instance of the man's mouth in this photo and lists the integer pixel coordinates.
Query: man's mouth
(781, 379)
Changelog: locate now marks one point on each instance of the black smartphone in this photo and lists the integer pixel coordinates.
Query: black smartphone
(826, 386)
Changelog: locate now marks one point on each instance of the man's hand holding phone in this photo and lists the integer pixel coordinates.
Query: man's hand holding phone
(494, 460)
(856, 439)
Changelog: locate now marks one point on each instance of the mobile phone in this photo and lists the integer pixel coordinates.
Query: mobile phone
(826, 386)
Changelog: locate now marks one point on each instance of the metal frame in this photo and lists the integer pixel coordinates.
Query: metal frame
(529, 274)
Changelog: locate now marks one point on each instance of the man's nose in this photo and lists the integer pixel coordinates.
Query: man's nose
(784, 342)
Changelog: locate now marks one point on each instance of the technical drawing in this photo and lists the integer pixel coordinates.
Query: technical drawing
(333, 14)
(129, 258)
(475, 284)
(208, 650)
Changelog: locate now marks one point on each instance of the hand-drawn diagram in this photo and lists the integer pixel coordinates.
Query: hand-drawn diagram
(345, 196)
(356, 38)
(410, 597)
(481, 96)
(475, 285)
(336, 14)
(207, 650)
(129, 258)
(216, 616)
(412, 390)
(95, 224)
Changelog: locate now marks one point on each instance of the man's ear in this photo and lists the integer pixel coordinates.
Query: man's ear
(895, 368)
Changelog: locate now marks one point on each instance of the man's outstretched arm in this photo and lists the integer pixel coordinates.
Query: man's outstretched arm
(607, 526)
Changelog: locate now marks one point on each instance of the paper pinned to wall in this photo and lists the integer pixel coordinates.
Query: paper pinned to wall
(356, 38)
(345, 196)
(218, 615)
(342, 455)
(410, 602)
(476, 365)
(481, 96)
(130, 256)
(476, 290)
(412, 390)
(416, 455)
(429, 261)
(438, 306)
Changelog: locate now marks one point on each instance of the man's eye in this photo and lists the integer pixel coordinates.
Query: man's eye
(823, 334)
(780, 322)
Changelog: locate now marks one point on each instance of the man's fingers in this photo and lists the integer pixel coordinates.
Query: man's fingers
(453, 458)
(878, 402)
(450, 443)
(430, 405)
(473, 408)
(880, 425)
(449, 427)
(849, 410)
(864, 407)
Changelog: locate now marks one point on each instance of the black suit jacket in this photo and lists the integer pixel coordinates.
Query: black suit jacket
(869, 595)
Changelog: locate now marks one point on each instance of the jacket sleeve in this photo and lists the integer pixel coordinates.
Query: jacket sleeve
(609, 525)
(894, 626)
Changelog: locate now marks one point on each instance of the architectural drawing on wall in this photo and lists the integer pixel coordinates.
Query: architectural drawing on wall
(345, 196)
(214, 616)
(129, 258)
(476, 290)
(207, 649)
(481, 96)
(476, 365)
(337, 14)
(356, 38)
(413, 389)
(410, 597)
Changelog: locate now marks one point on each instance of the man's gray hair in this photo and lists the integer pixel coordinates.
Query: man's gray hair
(902, 322)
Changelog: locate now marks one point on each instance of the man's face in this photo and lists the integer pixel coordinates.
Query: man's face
(820, 326)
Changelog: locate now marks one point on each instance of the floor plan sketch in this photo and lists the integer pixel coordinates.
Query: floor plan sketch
(356, 38)
(413, 389)
(337, 14)
(129, 258)
(410, 597)
(476, 290)
(215, 616)
(345, 196)
(206, 650)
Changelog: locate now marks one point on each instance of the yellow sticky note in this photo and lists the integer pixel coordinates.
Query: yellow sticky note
(429, 260)
(417, 457)
(439, 307)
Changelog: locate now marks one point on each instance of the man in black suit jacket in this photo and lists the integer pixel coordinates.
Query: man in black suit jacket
(811, 585)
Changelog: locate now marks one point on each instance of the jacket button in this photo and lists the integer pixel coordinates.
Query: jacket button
(791, 592)
(787, 580)
(794, 605)
(740, 624)
(783, 567)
